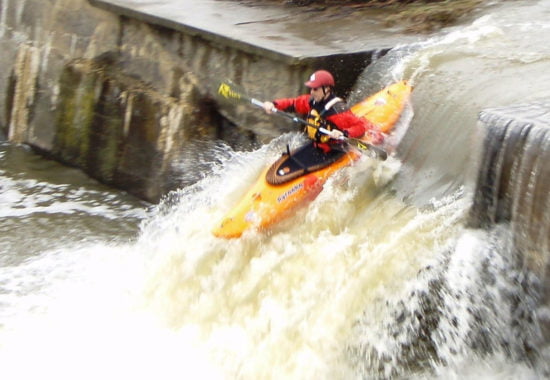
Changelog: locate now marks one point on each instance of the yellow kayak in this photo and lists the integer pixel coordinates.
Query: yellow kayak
(278, 193)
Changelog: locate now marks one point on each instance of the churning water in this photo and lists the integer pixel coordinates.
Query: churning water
(376, 278)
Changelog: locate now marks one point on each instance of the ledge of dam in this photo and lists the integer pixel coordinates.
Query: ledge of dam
(284, 33)
(124, 88)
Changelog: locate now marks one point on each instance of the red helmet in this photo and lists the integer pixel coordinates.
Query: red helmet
(320, 78)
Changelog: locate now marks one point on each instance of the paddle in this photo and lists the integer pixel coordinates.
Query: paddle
(372, 151)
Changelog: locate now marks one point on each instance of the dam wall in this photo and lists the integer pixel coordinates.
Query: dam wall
(512, 190)
(514, 178)
(123, 91)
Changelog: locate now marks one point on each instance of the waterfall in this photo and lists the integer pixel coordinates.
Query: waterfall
(514, 179)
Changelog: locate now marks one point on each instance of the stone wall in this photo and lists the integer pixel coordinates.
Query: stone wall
(38, 39)
(121, 98)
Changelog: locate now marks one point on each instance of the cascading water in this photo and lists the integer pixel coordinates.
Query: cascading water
(379, 277)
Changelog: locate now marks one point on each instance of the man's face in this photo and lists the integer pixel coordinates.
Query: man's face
(317, 93)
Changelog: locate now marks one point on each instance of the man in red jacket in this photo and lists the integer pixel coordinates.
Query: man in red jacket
(324, 109)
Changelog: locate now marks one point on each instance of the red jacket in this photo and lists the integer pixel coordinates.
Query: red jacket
(339, 116)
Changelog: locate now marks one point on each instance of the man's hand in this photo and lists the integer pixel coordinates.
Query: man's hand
(269, 107)
(336, 134)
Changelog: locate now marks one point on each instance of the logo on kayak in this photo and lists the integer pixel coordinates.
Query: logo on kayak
(291, 191)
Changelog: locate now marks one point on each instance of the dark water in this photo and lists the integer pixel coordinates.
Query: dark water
(45, 205)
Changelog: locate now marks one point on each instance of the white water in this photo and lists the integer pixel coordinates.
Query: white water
(309, 300)
(360, 284)
(278, 305)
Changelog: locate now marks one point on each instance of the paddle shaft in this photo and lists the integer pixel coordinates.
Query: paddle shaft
(375, 152)
(259, 103)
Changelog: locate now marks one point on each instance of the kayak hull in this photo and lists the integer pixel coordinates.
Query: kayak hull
(266, 204)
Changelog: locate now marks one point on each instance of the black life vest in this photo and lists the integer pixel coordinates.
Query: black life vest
(318, 114)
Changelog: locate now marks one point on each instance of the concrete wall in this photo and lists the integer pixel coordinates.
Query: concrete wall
(121, 98)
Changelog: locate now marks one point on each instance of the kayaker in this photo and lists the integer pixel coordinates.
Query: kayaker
(324, 109)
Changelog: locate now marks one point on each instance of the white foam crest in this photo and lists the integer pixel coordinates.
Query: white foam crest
(414, 60)
(492, 36)
(464, 41)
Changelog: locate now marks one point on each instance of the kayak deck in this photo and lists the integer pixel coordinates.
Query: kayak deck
(302, 161)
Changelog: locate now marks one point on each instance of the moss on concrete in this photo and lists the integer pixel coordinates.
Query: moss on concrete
(121, 131)
(106, 132)
(75, 113)
(89, 130)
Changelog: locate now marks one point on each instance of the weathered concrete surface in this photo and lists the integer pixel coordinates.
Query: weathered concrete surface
(37, 39)
(119, 88)
(284, 33)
